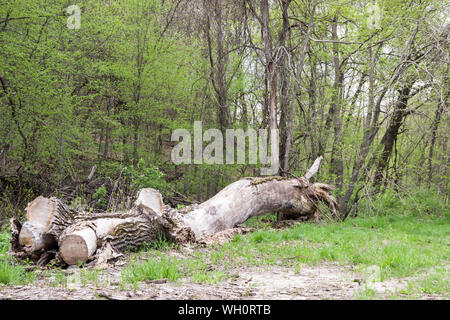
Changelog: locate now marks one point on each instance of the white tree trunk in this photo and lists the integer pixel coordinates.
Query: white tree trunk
(247, 198)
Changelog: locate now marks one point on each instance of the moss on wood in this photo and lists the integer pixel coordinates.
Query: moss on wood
(260, 180)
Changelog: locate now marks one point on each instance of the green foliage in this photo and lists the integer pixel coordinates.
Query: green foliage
(5, 237)
(420, 202)
(160, 244)
(209, 277)
(11, 273)
(152, 269)
(143, 176)
(100, 194)
(112, 92)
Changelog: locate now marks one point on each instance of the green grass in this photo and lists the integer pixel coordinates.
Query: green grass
(11, 273)
(260, 222)
(90, 276)
(160, 266)
(399, 245)
(209, 277)
(435, 282)
(367, 294)
(152, 269)
(57, 279)
(160, 244)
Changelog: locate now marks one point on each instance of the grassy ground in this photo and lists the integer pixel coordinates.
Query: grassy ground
(11, 272)
(392, 238)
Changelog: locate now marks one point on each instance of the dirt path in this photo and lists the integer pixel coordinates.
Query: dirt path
(325, 281)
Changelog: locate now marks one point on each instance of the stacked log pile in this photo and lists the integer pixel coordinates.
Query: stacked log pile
(52, 231)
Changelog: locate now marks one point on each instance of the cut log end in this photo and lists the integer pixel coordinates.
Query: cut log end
(27, 237)
(150, 199)
(40, 211)
(32, 238)
(78, 246)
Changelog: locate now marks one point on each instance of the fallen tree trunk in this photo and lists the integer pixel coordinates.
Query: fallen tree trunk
(54, 231)
(252, 197)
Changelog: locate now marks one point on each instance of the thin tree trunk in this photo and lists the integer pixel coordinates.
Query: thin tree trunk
(434, 128)
(218, 66)
(285, 105)
(270, 64)
(337, 164)
(391, 134)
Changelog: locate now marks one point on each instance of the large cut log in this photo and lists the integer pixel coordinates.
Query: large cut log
(46, 218)
(82, 236)
(143, 223)
(33, 235)
(37, 238)
(78, 246)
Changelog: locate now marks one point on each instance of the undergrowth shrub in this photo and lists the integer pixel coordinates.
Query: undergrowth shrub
(422, 202)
